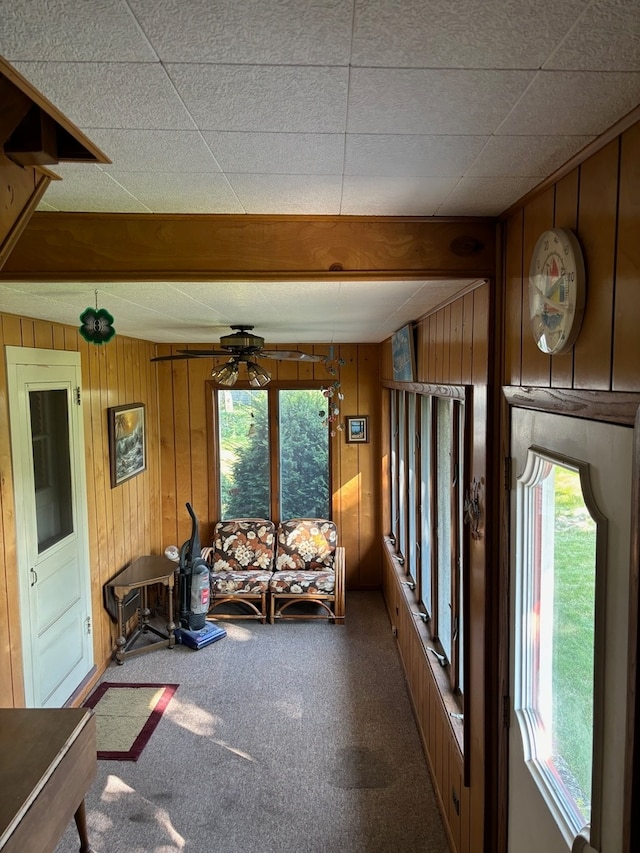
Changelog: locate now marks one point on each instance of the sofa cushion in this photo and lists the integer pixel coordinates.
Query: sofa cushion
(229, 583)
(306, 544)
(243, 544)
(301, 582)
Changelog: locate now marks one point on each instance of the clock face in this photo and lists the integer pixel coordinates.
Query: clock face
(556, 290)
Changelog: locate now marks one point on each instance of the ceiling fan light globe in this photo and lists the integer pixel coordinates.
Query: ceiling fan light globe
(258, 376)
(227, 374)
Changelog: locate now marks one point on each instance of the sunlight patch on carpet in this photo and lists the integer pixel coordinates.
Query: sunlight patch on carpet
(126, 717)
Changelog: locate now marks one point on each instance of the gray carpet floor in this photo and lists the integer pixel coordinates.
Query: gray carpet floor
(293, 738)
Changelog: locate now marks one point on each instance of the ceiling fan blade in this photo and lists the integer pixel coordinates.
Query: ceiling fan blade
(173, 357)
(289, 355)
(200, 353)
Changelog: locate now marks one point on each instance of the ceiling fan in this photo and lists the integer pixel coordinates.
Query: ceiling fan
(243, 347)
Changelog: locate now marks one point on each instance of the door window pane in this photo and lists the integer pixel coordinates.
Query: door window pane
(51, 466)
(243, 428)
(304, 454)
(556, 636)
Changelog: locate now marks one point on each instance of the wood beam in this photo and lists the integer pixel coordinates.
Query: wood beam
(177, 247)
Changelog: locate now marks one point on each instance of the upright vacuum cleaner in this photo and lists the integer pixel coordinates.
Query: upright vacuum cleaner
(194, 580)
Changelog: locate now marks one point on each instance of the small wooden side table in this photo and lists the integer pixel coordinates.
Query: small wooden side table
(141, 574)
(49, 761)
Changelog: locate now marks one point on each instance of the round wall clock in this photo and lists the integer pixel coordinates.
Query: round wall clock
(556, 290)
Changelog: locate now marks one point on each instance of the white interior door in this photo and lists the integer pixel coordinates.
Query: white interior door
(51, 522)
(549, 446)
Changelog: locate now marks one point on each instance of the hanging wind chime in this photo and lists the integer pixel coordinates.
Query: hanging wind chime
(334, 396)
(97, 325)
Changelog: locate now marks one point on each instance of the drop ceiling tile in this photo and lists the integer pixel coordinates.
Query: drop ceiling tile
(453, 102)
(375, 196)
(67, 30)
(290, 99)
(180, 192)
(278, 153)
(154, 150)
(485, 196)
(87, 188)
(110, 94)
(304, 194)
(520, 156)
(464, 34)
(604, 39)
(290, 32)
(410, 155)
(572, 102)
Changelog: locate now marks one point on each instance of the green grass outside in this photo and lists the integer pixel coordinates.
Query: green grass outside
(573, 654)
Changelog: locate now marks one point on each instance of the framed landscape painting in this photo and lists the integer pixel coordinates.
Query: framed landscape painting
(403, 355)
(127, 442)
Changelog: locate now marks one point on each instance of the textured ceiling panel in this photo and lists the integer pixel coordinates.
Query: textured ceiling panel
(357, 107)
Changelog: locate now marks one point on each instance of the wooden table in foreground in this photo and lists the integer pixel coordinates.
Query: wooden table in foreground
(48, 761)
(141, 574)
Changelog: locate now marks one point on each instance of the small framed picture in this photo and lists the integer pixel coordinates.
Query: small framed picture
(127, 451)
(357, 429)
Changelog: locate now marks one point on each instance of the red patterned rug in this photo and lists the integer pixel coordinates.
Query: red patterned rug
(126, 717)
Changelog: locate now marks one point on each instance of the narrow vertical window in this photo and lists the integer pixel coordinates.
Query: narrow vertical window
(425, 505)
(243, 432)
(304, 455)
(412, 488)
(444, 486)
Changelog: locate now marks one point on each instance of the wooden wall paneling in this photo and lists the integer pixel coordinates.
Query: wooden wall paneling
(199, 371)
(386, 362)
(318, 368)
(422, 364)
(455, 789)
(102, 566)
(347, 496)
(42, 334)
(515, 311)
(446, 364)
(455, 342)
(433, 350)
(58, 336)
(368, 455)
(481, 326)
(597, 232)
(11, 686)
(467, 338)
(142, 483)
(465, 820)
(167, 449)
(153, 528)
(118, 499)
(626, 340)
(538, 217)
(566, 216)
(283, 371)
(440, 346)
(182, 430)
(27, 332)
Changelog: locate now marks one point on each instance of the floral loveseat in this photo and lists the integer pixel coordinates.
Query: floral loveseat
(253, 566)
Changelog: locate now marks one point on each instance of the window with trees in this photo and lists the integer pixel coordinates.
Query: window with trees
(273, 453)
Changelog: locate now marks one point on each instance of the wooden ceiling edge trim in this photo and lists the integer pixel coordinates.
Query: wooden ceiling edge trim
(275, 218)
(18, 226)
(187, 276)
(44, 104)
(617, 129)
(479, 282)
